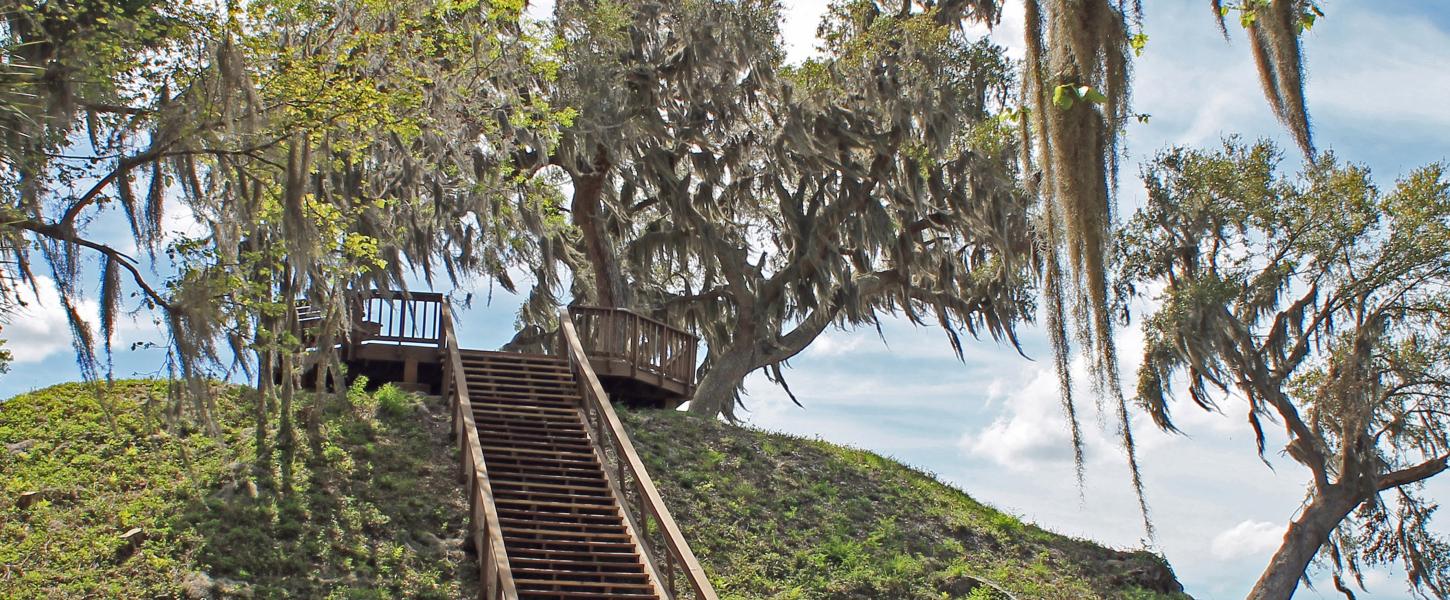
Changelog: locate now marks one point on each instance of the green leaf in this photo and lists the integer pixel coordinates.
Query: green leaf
(1063, 96)
(1139, 41)
(1091, 95)
(1306, 21)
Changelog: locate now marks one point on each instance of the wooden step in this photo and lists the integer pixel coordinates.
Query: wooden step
(525, 400)
(551, 535)
(511, 483)
(569, 508)
(564, 525)
(537, 367)
(477, 392)
(489, 356)
(487, 418)
(524, 514)
(505, 413)
(523, 409)
(576, 565)
(554, 590)
(517, 441)
(535, 435)
(490, 417)
(527, 477)
(522, 377)
(568, 456)
(578, 545)
(546, 554)
(481, 382)
(537, 466)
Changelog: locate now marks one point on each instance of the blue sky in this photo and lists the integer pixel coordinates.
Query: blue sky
(1377, 90)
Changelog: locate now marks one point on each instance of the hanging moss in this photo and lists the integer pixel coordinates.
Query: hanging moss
(1076, 84)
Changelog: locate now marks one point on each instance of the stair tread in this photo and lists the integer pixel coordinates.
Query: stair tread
(574, 564)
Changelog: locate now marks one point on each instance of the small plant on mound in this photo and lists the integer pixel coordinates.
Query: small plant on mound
(393, 402)
(388, 401)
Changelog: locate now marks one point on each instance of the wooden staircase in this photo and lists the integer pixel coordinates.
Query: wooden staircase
(563, 528)
(559, 502)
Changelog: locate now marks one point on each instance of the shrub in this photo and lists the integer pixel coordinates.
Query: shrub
(392, 402)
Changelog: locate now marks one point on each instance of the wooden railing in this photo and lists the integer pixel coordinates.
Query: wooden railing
(663, 543)
(647, 345)
(385, 317)
(496, 580)
(401, 317)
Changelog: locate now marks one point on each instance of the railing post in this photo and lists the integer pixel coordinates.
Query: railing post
(633, 344)
(670, 569)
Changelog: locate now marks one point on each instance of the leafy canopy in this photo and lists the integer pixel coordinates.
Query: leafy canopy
(1322, 302)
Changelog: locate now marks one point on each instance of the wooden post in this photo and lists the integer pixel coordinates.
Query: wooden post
(410, 370)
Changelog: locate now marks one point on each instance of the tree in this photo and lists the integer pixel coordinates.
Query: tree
(763, 204)
(323, 149)
(1325, 304)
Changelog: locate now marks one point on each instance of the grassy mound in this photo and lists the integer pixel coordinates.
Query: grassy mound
(776, 516)
(374, 510)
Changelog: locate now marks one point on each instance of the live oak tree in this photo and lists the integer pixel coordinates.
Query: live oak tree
(324, 146)
(1324, 304)
(762, 204)
(64, 103)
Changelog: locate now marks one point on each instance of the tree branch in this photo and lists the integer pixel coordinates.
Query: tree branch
(1408, 475)
(62, 233)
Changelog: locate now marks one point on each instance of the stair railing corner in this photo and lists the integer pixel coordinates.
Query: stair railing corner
(672, 559)
(496, 581)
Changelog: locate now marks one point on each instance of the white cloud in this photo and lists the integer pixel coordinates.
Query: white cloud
(40, 329)
(1031, 435)
(835, 344)
(1380, 75)
(1248, 539)
(799, 28)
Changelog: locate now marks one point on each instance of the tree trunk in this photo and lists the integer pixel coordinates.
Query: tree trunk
(718, 389)
(716, 393)
(1301, 542)
(587, 207)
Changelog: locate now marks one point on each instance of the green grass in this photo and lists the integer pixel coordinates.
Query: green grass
(374, 512)
(776, 516)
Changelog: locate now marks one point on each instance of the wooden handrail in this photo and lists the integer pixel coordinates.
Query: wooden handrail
(496, 579)
(645, 507)
(647, 345)
(402, 295)
(644, 318)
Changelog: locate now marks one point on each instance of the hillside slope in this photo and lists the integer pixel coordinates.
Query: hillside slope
(376, 511)
(777, 516)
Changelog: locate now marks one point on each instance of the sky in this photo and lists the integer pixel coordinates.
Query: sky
(990, 424)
